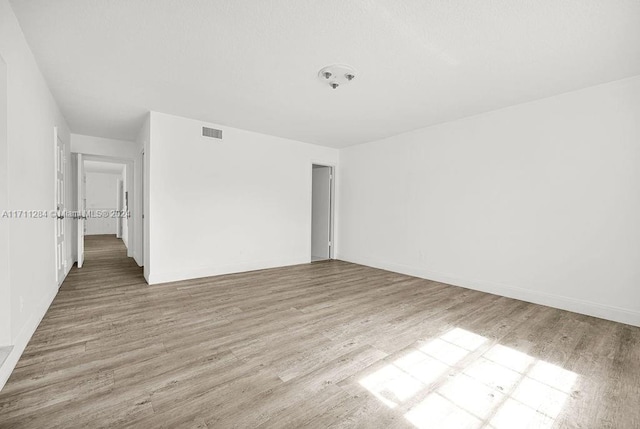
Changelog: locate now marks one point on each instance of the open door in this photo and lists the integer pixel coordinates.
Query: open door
(82, 207)
(321, 212)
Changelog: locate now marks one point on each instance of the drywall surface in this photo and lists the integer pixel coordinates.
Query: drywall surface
(32, 114)
(221, 206)
(539, 202)
(101, 194)
(90, 145)
(5, 291)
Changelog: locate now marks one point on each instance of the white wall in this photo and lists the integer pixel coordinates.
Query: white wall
(5, 291)
(321, 215)
(101, 194)
(539, 201)
(220, 206)
(32, 114)
(90, 145)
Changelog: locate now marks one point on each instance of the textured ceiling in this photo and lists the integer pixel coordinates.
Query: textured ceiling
(252, 64)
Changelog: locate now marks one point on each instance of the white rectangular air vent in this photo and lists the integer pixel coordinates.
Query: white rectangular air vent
(211, 132)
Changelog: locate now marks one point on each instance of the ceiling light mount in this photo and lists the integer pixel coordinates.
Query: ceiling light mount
(337, 75)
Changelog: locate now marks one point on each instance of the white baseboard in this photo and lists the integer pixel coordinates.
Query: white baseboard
(616, 314)
(125, 241)
(137, 258)
(24, 336)
(68, 269)
(156, 278)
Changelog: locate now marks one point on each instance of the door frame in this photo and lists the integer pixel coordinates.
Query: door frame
(119, 198)
(81, 204)
(332, 209)
(129, 163)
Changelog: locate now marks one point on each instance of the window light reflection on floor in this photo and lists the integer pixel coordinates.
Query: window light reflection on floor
(501, 388)
(399, 381)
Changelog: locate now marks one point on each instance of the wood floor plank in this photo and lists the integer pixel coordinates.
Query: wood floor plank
(328, 344)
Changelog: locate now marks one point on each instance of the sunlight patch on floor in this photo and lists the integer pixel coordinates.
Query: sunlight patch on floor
(501, 388)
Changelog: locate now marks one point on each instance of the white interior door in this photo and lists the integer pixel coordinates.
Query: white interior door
(321, 212)
(61, 261)
(82, 207)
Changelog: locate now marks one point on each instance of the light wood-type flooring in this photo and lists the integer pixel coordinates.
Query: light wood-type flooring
(323, 345)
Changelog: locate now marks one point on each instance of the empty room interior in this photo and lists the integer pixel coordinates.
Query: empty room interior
(324, 214)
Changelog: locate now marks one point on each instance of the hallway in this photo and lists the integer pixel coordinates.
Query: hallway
(329, 344)
(69, 358)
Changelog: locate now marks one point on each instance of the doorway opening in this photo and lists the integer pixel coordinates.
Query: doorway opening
(322, 197)
(104, 188)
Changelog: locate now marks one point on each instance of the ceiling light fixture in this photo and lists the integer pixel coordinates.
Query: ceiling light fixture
(336, 75)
